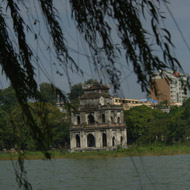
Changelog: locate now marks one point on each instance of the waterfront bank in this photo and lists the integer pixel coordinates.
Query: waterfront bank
(131, 152)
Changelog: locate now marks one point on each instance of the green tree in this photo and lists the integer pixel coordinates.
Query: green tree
(76, 92)
(167, 128)
(48, 93)
(146, 125)
(55, 129)
(177, 132)
(59, 126)
(137, 120)
(8, 98)
(186, 113)
(6, 131)
(157, 131)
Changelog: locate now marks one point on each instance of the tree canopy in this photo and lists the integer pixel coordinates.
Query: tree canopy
(148, 126)
(48, 93)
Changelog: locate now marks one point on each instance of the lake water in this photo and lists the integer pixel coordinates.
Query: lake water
(135, 173)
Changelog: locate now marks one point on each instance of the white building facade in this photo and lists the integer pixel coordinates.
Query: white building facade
(170, 86)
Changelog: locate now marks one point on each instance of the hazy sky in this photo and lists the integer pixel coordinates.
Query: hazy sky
(129, 87)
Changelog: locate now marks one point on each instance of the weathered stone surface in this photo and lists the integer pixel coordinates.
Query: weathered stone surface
(97, 124)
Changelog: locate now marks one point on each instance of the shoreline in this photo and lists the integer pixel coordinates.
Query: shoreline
(131, 152)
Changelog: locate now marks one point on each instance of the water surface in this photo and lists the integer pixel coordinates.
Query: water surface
(135, 173)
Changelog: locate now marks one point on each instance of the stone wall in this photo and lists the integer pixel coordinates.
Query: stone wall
(111, 116)
(114, 138)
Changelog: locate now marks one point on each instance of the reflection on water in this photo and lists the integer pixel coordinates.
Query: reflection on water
(136, 173)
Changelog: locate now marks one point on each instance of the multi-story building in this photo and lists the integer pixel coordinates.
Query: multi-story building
(98, 124)
(169, 86)
(131, 103)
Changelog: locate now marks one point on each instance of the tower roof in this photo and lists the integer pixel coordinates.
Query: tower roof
(96, 86)
(96, 90)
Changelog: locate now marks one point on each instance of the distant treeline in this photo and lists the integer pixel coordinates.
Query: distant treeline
(148, 126)
(144, 125)
(15, 132)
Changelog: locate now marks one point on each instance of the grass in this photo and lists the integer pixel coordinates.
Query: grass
(133, 151)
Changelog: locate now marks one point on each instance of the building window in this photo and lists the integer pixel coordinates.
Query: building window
(78, 120)
(77, 137)
(113, 141)
(103, 118)
(121, 140)
(118, 120)
(111, 119)
(104, 139)
(90, 140)
(90, 119)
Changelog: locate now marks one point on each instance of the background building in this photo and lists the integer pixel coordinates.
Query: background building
(131, 103)
(169, 86)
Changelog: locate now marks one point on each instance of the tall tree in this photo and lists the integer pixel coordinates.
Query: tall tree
(8, 98)
(76, 91)
(6, 131)
(48, 93)
(137, 120)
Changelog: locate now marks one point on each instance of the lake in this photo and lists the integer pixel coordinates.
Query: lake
(134, 173)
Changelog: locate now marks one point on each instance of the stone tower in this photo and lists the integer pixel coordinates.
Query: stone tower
(97, 124)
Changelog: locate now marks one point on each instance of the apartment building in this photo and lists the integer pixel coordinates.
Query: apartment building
(169, 86)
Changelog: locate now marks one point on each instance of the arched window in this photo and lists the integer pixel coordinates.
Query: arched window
(90, 140)
(104, 139)
(121, 140)
(103, 118)
(78, 120)
(111, 119)
(90, 119)
(118, 120)
(77, 137)
(113, 141)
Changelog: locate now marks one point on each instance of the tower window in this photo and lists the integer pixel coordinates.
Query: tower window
(77, 137)
(90, 140)
(104, 139)
(78, 120)
(90, 119)
(103, 118)
(118, 120)
(113, 141)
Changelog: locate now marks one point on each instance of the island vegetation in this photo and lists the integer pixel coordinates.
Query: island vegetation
(150, 131)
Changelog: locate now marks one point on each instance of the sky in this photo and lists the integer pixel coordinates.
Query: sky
(45, 72)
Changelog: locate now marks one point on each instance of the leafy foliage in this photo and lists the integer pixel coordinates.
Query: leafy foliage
(147, 126)
(137, 120)
(48, 93)
(8, 98)
(16, 133)
(76, 92)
